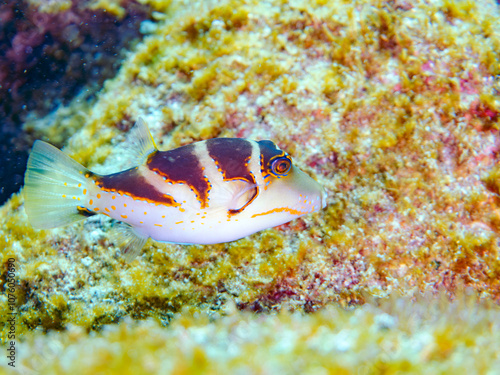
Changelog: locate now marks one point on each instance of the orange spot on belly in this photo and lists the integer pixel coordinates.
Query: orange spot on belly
(158, 225)
(91, 202)
(106, 209)
(96, 209)
(113, 207)
(84, 191)
(124, 216)
(98, 196)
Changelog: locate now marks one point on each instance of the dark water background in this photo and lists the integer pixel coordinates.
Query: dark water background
(48, 58)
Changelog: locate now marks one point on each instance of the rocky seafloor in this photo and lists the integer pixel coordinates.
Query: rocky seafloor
(393, 106)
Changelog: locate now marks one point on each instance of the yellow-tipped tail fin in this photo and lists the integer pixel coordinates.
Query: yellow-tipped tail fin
(54, 187)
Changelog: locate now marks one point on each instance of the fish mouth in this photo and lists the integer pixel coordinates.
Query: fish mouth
(317, 202)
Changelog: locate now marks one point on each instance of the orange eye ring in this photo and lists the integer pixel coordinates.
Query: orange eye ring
(281, 166)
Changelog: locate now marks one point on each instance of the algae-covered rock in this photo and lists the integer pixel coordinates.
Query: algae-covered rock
(392, 106)
(396, 336)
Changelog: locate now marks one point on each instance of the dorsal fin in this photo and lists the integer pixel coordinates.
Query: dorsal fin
(140, 143)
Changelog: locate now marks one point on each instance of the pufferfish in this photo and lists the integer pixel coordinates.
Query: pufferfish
(212, 191)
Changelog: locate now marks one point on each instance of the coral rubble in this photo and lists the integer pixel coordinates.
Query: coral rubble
(392, 105)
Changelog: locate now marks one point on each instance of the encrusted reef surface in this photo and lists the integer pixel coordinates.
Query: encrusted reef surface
(392, 105)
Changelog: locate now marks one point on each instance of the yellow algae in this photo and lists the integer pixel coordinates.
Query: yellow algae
(458, 9)
(113, 7)
(51, 6)
(242, 251)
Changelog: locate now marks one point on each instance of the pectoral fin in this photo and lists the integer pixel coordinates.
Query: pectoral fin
(235, 195)
(128, 240)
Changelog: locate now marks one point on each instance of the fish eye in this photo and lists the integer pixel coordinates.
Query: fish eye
(281, 166)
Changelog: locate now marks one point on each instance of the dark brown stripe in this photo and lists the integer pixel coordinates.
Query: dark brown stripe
(182, 166)
(131, 183)
(232, 156)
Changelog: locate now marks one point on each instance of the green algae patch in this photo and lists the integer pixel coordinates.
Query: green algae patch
(393, 107)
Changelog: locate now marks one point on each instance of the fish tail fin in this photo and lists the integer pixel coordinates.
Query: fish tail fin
(54, 188)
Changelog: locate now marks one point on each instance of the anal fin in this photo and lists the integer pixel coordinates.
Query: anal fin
(128, 240)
